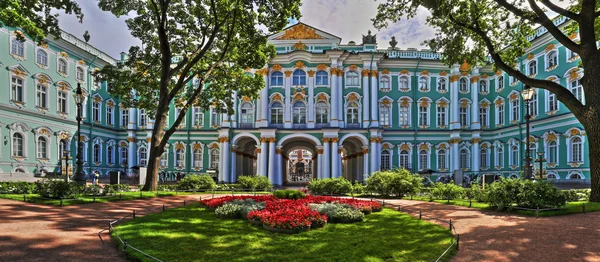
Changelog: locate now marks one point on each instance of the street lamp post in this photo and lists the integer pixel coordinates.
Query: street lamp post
(541, 159)
(527, 94)
(79, 177)
(66, 158)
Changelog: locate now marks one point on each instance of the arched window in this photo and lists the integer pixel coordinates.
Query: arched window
(41, 57)
(403, 83)
(576, 150)
(180, 157)
(483, 116)
(423, 115)
(463, 85)
(321, 78)
(276, 113)
(62, 146)
(198, 158)
(299, 78)
(62, 66)
(463, 116)
(500, 157)
(552, 152)
(442, 159)
(576, 89)
(109, 155)
(41, 99)
(385, 160)
(164, 159)
(514, 176)
(532, 68)
(322, 112)
(42, 147)
(500, 114)
(552, 58)
(17, 48)
(384, 114)
(214, 159)
(551, 176)
(405, 159)
(19, 170)
(143, 156)
(423, 84)
(441, 116)
(404, 114)
(96, 153)
(514, 110)
(96, 111)
(514, 153)
(483, 88)
(352, 78)
(18, 145)
(276, 78)
(464, 158)
(80, 74)
(483, 158)
(352, 113)
(299, 113)
(442, 85)
(500, 82)
(124, 155)
(423, 159)
(384, 84)
(247, 114)
(576, 176)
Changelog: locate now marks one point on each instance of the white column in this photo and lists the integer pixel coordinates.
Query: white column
(232, 173)
(264, 102)
(454, 104)
(339, 156)
(319, 162)
(235, 106)
(258, 160)
(334, 97)
(278, 166)
(475, 153)
(374, 166)
(365, 164)
(366, 101)
(335, 158)
(221, 159)
(374, 109)
(132, 152)
(311, 100)
(132, 118)
(263, 158)
(271, 165)
(326, 159)
(454, 155)
(287, 122)
(226, 155)
(475, 104)
(340, 101)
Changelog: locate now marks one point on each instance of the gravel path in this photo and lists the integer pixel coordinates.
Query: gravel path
(495, 236)
(30, 232)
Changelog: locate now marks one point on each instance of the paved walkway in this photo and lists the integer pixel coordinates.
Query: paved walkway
(31, 232)
(495, 236)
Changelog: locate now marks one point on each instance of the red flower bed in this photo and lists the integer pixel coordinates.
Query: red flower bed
(292, 214)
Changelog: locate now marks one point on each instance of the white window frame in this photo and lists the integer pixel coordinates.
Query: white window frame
(280, 113)
(110, 114)
(514, 149)
(276, 75)
(43, 154)
(407, 78)
(23, 48)
(500, 83)
(23, 89)
(198, 116)
(198, 163)
(319, 74)
(406, 157)
(547, 149)
(317, 113)
(385, 84)
(444, 158)
(515, 111)
(214, 163)
(486, 90)
(388, 108)
(37, 58)
(547, 59)
(426, 166)
(386, 164)
(43, 103)
(296, 75)
(352, 78)
(499, 159)
(357, 113)
(484, 116)
(77, 74)
(440, 81)
(65, 101)
(579, 88)
(424, 84)
(464, 159)
(441, 115)
(484, 164)
(466, 88)
(142, 161)
(142, 118)
(66, 73)
(532, 67)
(124, 117)
(571, 153)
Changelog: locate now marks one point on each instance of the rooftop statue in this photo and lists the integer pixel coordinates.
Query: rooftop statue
(393, 43)
(370, 39)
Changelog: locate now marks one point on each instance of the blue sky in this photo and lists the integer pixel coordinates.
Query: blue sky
(348, 19)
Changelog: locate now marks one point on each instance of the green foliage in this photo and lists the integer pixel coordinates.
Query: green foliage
(399, 182)
(503, 193)
(35, 17)
(358, 187)
(446, 191)
(540, 194)
(196, 182)
(254, 182)
(337, 213)
(18, 187)
(575, 195)
(330, 186)
(167, 188)
(247, 205)
(228, 211)
(93, 190)
(475, 192)
(58, 189)
(117, 188)
(288, 194)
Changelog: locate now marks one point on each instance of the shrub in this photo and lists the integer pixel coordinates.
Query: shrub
(18, 187)
(338, 213)
(228, 210)
(504, 192)
(540, 194)
(93, 190)
(446, 191)
(111, 189)
(358, 187)
(475, 192)
(288, 194)
(575, 195)
(167, 188)
(330, 186)
(195, 182)
(58, 189)
(254, 182)
(399, 182)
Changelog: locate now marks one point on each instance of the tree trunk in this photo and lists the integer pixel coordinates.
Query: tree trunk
(594, 156)
(155, 150)
(152, 172)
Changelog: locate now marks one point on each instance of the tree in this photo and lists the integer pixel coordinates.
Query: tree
(194, 53)
(476, 29)
(35, 17)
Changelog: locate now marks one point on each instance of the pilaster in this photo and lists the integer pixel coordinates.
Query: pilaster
(366, 101)
(334, 97)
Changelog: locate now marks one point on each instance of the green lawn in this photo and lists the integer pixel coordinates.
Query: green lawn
(35, 198)
(195, 234)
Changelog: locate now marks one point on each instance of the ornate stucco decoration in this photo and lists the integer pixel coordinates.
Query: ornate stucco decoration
(276, 67)
(549, 48)
(475, 140)
(299, 31)
(365, 72)
(551, 137)
(442, 103)
(63, 54)
(465, 67)
(441, 146)
(299, 64)
(352, 97)
(321, 67)
(263, 71)
(424, 146)
(277, 97)
(299, 46)
(131, 139)
(404, 72)
(499, 102)
(484, 104)
(287, 73)
(573, 74)
(485, 145)
(573, 36)
(322, 97)
(424, 73)
(454, 78)
(484, 76)
(453, 141)
(424, 103)
(498, 73)
(353, 67)
(475, 79)
(405, 147)
(514, 97)
(443, 73)
(374, 73)
(310, 73)
(385, 71)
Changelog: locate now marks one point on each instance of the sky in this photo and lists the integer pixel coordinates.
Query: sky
(348, 19)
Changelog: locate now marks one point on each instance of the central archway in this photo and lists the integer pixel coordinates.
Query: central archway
(245, 146)
(299, 163)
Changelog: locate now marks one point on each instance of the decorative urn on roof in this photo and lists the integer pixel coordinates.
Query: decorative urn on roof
(393, 43)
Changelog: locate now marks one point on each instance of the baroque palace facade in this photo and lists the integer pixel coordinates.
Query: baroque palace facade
(327, 110)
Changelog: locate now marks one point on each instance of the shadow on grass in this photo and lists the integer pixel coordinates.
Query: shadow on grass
(196, 234)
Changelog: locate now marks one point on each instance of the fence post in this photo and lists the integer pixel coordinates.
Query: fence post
(583, 207)
(232, 192)
(470, 200)
(94, 196)
(25, 198)
(184, 202)
(120, 196)
(134, 214)
(450, 225)
(163, 207)
(61, 201)
(109, 227)
(420, 214)
(457, 240)
(537, 211)
(176, 191)
(124, 245)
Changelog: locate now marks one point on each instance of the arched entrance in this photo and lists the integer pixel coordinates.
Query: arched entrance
(353, 157)
(299, 163)
(245, 156)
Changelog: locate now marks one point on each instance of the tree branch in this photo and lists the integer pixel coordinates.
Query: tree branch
(561, 11)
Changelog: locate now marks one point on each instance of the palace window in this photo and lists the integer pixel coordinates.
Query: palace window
(499, 157)
(321, 78)
(532, 67)
(552, 59)
(483, 116)
(483, 87)
(247, 116)
(109, 115)
(214, 159)
(276, 113)
(214, 117)
(17, 48)
(442, 159)
(384, 84)
(124, 117)
(17, 89)
(514, 110)
(423, 84)
(405, 159)
(96, 153)
(322, 113)
(124, 155)
(18, 145)
(96, 111)
(404, 115)
(464, 158)
(41, 57)
(62, 66)
(500, 82)
(352, 113)
(352, 78)
(483, 158)
(403, 83)
(552, 102)
(500, 114)
(552, 152)
(441, 86)
(463, 85)
(442, 116)
(198, 119)
(276, 78)
(463, 116)
(423, 115)
(299, 78)
(571, 56)
(180, 157)
(164, 159)
(198, 158)
(576, 150)
(62, 102)
(533, 105)
(143, 157)
(514, 153)
(385, 160)
(299, 113)
(423, 159)
(109, 155)
(42, 96)
(42, 147)
(384, 114)
(576, 89)
(80, 75)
